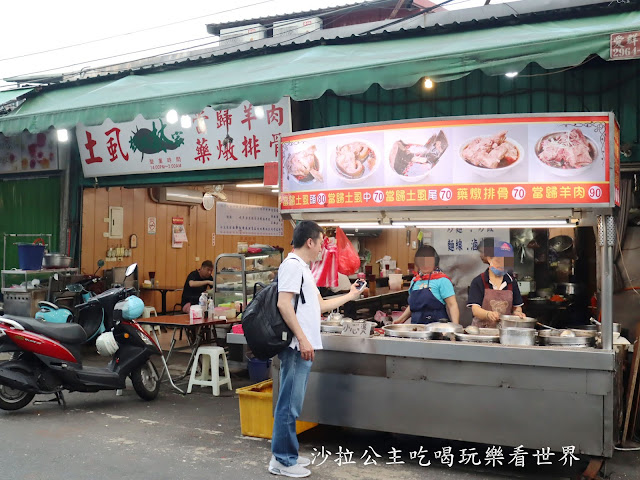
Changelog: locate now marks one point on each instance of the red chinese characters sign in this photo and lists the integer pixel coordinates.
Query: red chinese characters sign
(624, 46)
(246, 136)
(537, 160)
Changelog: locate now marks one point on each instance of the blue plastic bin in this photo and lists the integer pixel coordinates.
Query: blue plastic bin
(258, 369)
(30, 256)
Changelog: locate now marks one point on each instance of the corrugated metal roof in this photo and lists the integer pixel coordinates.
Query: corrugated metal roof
(524, 11)
(214, 28)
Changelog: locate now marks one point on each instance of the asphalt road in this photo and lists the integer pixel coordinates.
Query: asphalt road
(104, 436)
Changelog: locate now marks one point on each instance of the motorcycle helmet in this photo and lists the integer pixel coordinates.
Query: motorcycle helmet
(132, 308)
(106, 344)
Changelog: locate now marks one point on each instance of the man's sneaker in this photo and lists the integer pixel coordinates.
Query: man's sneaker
(296, 471)
(302, 461)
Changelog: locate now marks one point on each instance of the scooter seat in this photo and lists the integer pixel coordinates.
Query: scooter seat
(70, 333)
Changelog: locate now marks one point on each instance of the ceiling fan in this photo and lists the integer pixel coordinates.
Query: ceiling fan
(208, 199)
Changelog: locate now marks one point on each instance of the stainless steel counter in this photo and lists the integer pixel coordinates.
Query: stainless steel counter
(495, 394)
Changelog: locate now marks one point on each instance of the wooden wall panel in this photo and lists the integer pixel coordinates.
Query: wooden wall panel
(391, 242)
(88, 227)
(154, 252)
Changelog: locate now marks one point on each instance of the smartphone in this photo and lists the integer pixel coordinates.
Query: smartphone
(360, 284)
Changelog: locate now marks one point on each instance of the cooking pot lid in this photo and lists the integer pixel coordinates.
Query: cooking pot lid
(560, 243)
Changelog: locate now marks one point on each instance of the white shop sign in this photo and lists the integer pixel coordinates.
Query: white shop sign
(464, 241)
(240, 219)
(154, 146)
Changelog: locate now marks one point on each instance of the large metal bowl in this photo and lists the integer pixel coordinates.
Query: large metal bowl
(517, 336)
(581, 338)
(444, 327)
(515, 321)
(408, 330)
(56, 260)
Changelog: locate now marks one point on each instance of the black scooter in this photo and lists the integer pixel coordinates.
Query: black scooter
(46, 358)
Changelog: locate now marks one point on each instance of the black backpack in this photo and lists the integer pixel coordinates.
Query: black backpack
(265, 331)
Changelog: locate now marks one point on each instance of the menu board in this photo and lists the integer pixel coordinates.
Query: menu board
(240, 219)
(498, 161)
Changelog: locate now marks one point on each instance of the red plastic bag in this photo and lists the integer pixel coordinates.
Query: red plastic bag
(325, 270)
(348, 259)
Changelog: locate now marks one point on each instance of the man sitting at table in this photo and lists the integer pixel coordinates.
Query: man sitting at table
(197, 282)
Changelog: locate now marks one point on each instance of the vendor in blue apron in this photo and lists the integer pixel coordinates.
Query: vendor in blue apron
(431, 294)
(494, 292)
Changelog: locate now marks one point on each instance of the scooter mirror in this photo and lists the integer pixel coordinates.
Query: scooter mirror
(100, 263)
(130, 269)
(74, 287)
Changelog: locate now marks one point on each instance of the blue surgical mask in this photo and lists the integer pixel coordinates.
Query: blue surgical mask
(498, 271)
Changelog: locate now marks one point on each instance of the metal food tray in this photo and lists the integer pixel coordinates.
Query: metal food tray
(418, 331)
(545, 337)
(478, 338)
(331, 327)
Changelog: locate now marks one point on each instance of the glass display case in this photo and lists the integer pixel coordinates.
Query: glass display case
(235, 275)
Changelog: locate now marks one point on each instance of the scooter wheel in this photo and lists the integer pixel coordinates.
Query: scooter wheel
(12, 399)
(146, 381)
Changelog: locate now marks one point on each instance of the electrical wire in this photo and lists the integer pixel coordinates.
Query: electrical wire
(132, 33)
(338, 9)
(561, 70)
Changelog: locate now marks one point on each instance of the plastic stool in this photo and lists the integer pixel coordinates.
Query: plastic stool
(210, 364)
(147, 314)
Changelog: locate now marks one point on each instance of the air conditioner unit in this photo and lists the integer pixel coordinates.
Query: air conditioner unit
(175, 196)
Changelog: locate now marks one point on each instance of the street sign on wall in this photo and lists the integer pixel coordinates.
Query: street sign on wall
(624, 46)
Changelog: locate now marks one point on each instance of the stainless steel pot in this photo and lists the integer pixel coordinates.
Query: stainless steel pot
(568, 289)
(515, 321)
(56, 260)
(517, 336)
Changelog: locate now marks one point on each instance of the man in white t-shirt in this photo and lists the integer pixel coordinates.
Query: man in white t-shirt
(295, 361)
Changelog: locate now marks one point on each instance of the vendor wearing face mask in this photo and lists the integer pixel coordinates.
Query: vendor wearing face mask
(431, 294)
(494, 292)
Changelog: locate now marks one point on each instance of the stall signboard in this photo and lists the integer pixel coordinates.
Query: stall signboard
(246, 136)
(29, 152)
(540, 160)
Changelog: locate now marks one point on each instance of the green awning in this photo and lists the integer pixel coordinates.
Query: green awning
(307, 73)
(10, 95)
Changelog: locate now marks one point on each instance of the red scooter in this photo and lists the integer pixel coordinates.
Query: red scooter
(45, 357)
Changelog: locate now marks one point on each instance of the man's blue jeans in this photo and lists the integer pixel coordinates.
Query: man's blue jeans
(294, 372)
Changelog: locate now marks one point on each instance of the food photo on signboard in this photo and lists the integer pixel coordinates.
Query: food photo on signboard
(354, 159)
(487, 152)
(574, 152)
(418, 155)
(303, 164)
